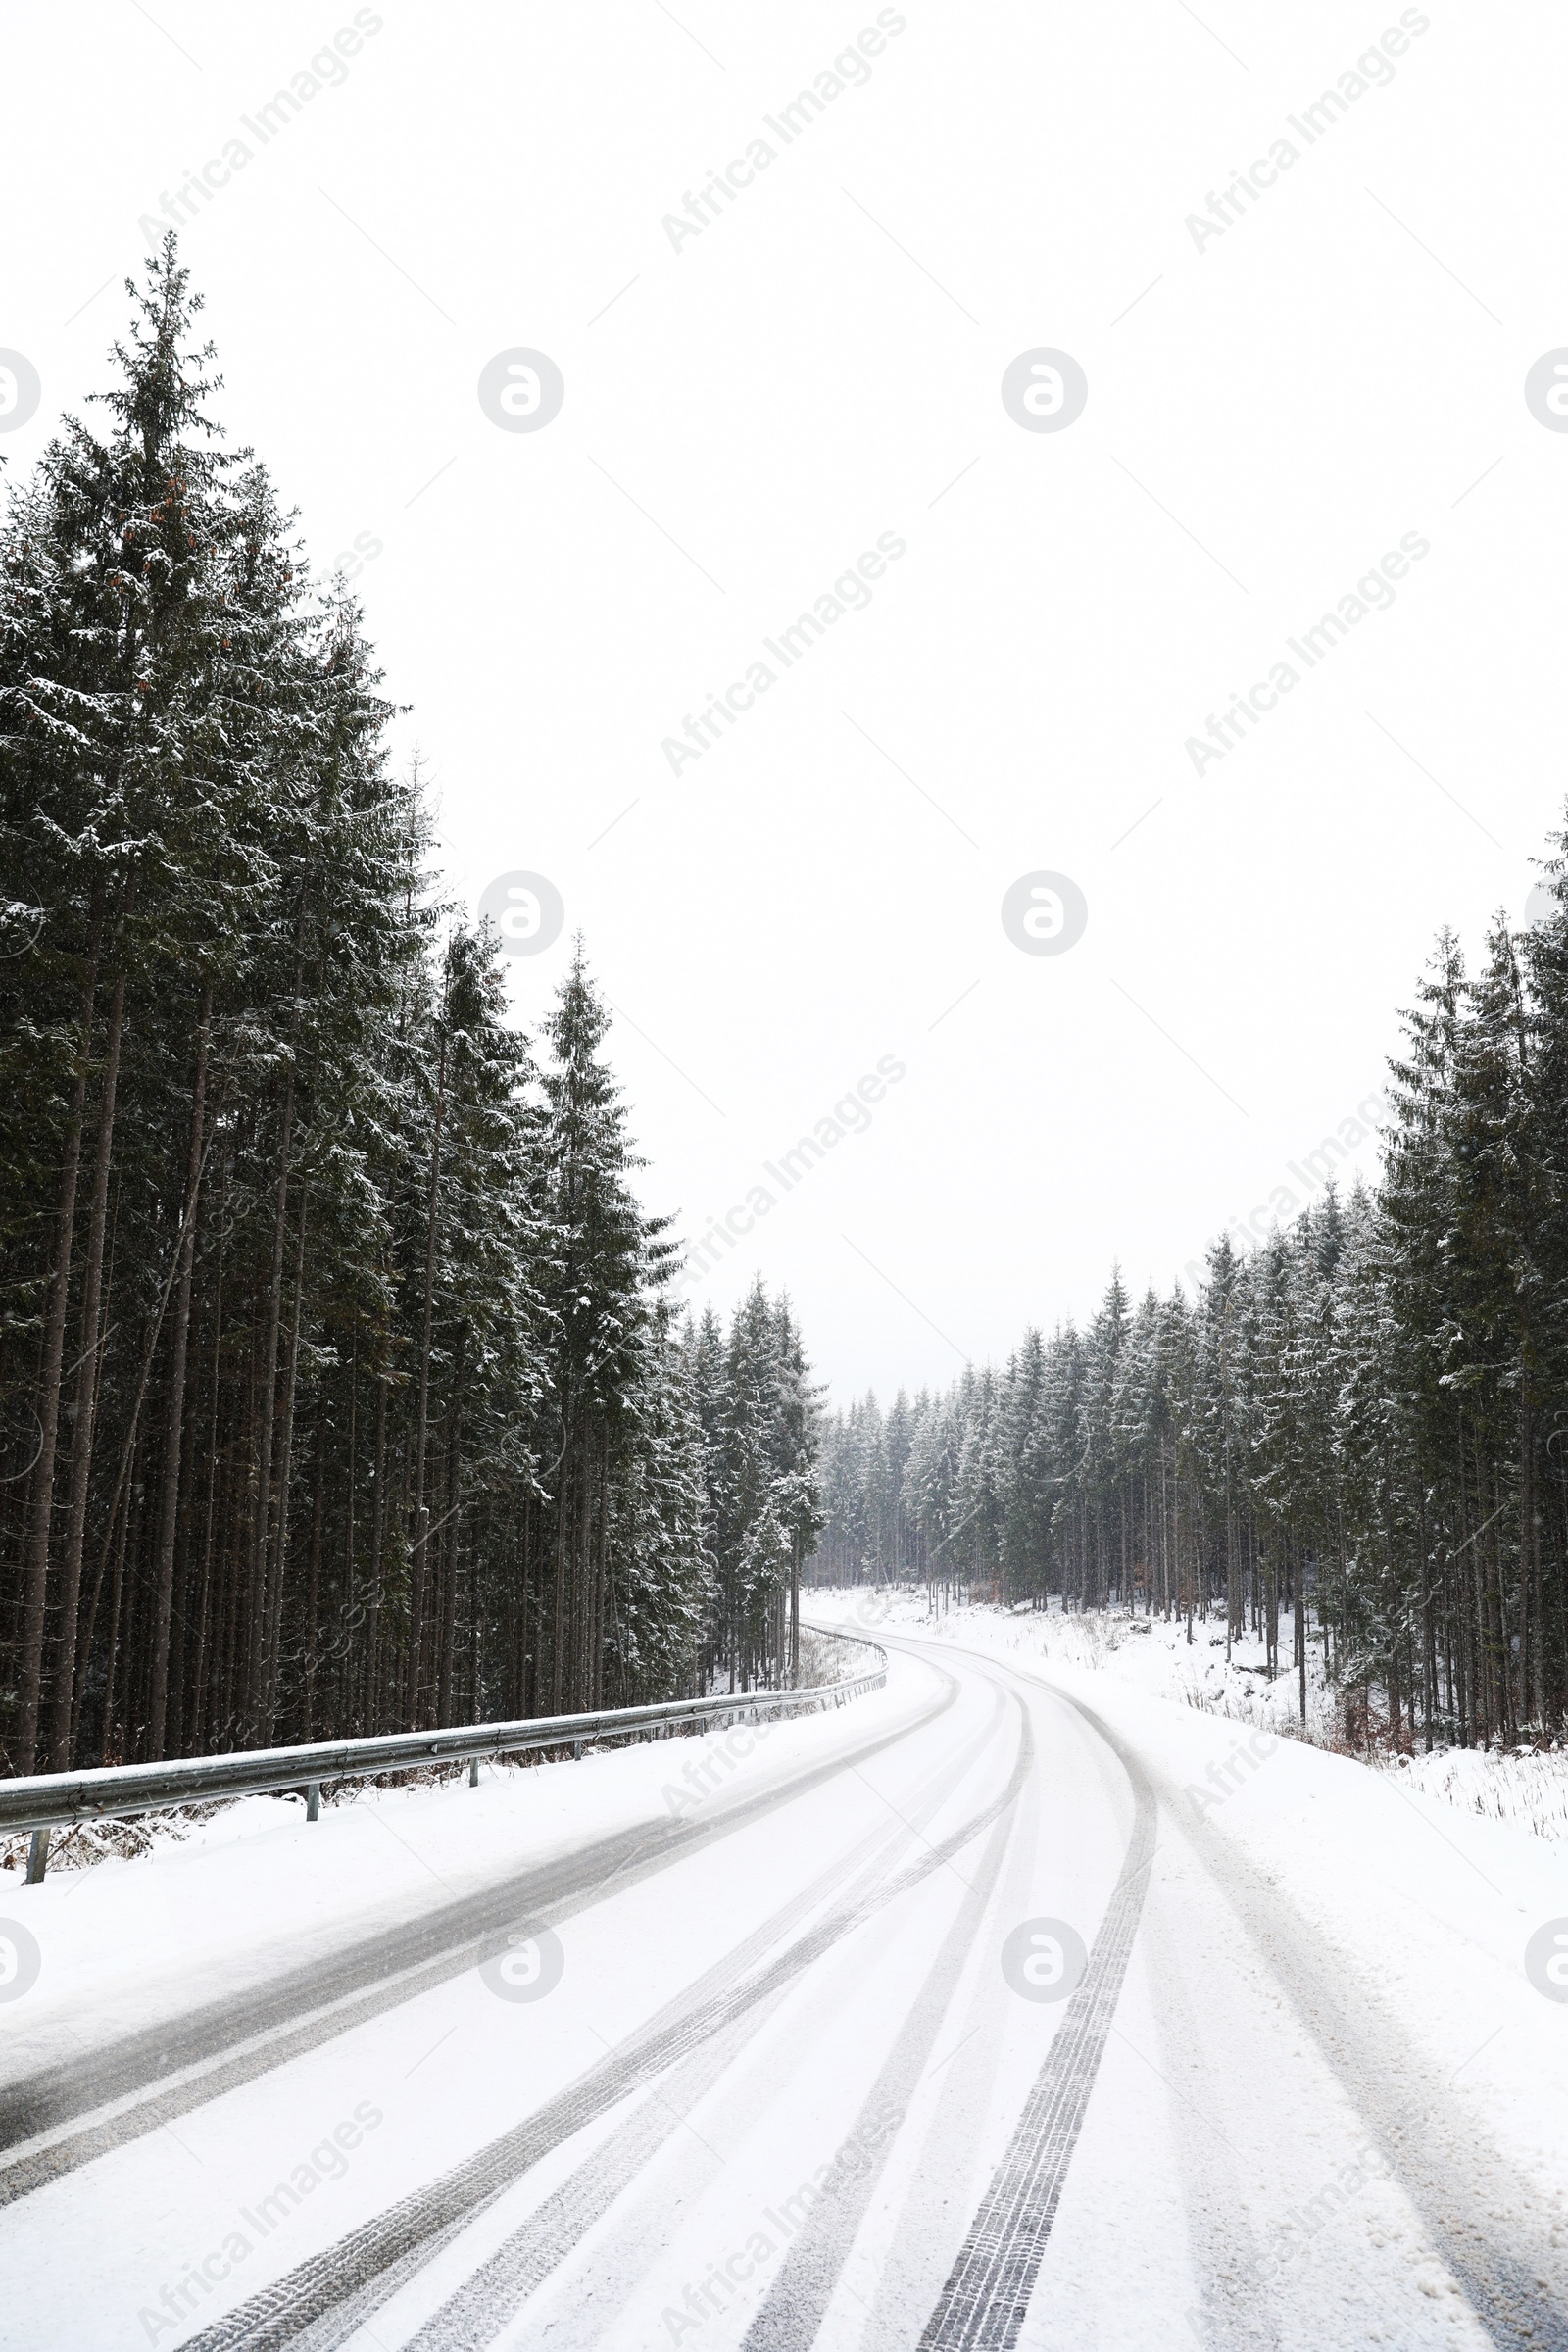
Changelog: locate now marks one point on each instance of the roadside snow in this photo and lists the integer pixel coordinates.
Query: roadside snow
(208, 1907)
(1528, 1788)
(1153, 1656)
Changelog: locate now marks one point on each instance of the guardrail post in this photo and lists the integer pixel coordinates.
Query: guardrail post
(38, 1858)
(473, 1774)
(313, 1799)
(576, 1752)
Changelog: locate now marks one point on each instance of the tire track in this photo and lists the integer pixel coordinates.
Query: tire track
(982, 2306)
(475, 2315)
(321, 2303)
(954, 2138)
(476, 2312)
(1484, 2220)
(183, 2063)
(1488, 2223)
(797, 2302)
(1234, 2312)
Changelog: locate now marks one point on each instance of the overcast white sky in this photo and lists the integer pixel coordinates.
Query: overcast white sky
(1271, 409)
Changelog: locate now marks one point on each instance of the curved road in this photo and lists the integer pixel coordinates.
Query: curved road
(957, 2034)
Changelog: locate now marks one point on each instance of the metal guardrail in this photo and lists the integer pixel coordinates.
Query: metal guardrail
(49, 1800)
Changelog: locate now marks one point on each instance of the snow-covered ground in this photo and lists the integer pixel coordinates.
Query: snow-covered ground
(728, 2044)
(1525, 1788)
(1155, 1656)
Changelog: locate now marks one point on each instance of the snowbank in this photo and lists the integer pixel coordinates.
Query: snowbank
(1153, 1656)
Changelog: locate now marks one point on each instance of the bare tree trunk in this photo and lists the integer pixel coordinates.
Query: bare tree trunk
(1531, 1636)
(373, 1643)
(204, 1645)
(110, 1755)
(314, 1577)
(558, 1638)
(285, 1463)
(351, 1721)
(164, 1580)
(36, 1590)
(596, 1662)
(450, 1555)
(88, 1373)
(261, 1529)
(421, 1531)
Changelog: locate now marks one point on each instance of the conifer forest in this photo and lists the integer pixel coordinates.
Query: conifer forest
(1354, 1438)
(339, 1388)
(340, 1385)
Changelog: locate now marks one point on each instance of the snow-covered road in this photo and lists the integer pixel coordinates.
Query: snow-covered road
(1000, 2007)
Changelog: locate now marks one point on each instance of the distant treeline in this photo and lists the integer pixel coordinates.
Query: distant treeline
(1358, 1433)
(338, 1389)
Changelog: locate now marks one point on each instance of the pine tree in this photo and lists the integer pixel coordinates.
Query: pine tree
(337, 1386)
